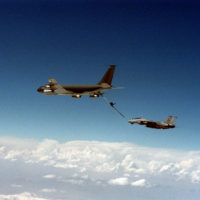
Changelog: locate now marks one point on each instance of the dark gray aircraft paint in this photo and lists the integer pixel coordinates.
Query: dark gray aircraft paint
(76, 91)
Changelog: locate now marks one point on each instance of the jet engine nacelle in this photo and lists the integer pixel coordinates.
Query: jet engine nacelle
(94, 95)
(76, 96)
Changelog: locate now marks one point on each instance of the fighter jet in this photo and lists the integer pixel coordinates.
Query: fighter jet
(76, 91)
(168, 123)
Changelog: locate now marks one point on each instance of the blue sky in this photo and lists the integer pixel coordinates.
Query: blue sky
(59, 147)
(155, 46)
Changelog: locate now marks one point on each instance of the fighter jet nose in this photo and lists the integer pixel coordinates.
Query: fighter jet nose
(39, 90)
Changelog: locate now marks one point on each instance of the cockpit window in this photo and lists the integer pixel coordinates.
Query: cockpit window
(47, 90)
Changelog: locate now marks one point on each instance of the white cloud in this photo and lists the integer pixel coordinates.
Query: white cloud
(22, 196)
(40, 166)
(73, 181)
(119, 181)
(48, 190)
(49, 176)
(196, 176)
(139, 183)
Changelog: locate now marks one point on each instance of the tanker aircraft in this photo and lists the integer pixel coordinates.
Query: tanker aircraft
(168, 123)
(76, 91)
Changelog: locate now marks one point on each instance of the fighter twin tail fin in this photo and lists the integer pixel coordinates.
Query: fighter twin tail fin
(170, 120)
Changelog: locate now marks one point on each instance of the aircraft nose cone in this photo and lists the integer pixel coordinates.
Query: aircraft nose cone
(39, 90)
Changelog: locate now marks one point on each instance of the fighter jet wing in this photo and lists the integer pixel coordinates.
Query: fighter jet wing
(138, 120)
(58, 89)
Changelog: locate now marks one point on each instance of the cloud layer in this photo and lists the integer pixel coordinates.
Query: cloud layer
(79, 169)
(22, 196)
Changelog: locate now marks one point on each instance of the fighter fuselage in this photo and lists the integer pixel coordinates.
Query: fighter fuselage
(158, 125)
(168, 123)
